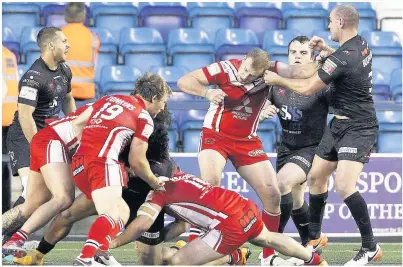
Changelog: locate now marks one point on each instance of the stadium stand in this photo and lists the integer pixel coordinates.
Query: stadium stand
(29, 49)
(118, 79)
(17, 16)
(234, 43)
(11, 42)
(276, 43)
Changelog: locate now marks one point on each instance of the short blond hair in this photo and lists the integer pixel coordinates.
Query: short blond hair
(349, 14)
(260, 59)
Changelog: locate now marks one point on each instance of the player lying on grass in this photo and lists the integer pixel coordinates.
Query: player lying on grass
(228, 219)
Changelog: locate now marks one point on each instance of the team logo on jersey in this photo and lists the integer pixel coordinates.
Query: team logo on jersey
(329, 66)
(213, 69)
(51, 85)
(96, 121)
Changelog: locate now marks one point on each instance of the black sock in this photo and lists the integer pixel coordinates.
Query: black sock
(19, 201)
(317, 205)
(44, 246)
(358, 208)
(301, 221)
(285, 208)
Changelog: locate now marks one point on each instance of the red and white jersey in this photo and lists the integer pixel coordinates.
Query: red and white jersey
(64, 128)
(114, 121)
(196, 201)
(238, 114)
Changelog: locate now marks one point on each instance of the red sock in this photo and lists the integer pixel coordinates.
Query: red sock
(194, 233)
(272, 221)
(20, 235)
(98, 232)
(235, 256)
(315, 259)
(119, 227)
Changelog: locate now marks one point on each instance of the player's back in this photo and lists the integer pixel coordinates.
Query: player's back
(112, 123)
(198, 201)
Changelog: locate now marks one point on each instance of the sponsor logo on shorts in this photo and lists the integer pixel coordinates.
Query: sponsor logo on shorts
(78, 170)
(13, 160)
(209, 141)
(329, 66)
(303, 160)
(151, 235)
(351, 150)
(255, 153)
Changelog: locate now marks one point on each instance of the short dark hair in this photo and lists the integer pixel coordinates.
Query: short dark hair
(45, 36)
(75, 12)
(150, 85)
(260, 59)
(301, 39)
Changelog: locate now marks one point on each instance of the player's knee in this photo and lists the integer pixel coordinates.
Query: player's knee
(284, 184)
(175, 260)
(314, 180)
(63, 201)
(344, 189)
(65, 217)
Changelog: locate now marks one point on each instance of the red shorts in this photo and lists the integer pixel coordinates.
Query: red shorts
(235, 230)
(46, 147)
(241, 151)
(91, 173)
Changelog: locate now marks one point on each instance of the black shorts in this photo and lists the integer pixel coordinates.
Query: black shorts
(155, 235)
(303, 157)
(18, 149)
(348, 140)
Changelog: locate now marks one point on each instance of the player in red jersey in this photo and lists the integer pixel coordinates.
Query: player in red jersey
(50, 183)
(229, 129)
(116, 121)
(228, 219)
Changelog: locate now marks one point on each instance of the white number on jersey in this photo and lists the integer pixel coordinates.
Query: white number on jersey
(109, 112)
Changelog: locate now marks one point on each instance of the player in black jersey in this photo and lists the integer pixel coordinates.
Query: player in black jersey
(149, 247)
(303, 121)
(43, 90)
(347, 142)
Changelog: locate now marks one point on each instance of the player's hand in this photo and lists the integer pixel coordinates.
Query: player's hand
(215, 96)
(322, 55)
(316, 43)
(159, 185)
(268, 112)
(270, 77)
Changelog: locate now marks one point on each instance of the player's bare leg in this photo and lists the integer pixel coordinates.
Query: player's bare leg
(149, 255)
(37, 194)
(318, 178)
(298, 192)
(347, 175)
(287, 246)
(23, 173)
(59, 229)
(58, 179)
(262, 178)
(113, 212)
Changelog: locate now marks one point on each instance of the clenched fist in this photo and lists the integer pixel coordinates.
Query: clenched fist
(316, 43)
(269, 111)
(215, 96)
(270, 77)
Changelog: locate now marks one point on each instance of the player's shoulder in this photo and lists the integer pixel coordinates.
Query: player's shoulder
(34, 77)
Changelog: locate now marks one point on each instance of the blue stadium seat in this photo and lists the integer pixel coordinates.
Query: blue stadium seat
(386, 49)
(53, 15)
(115, 17)
(17, 16)
(234, 43)
(119, 79)
(108, 51)
(22, 69)
(190, 48)
(259, 17)
(396, 85)
(162, 16)
(191, 127)
(380, 86)
(367, 14)
(276, 43)
(327, 37)
(390, 131)
(305, 17)
(171, 74)
(210, 17)
(10, 41)
(28, 45)
(267, 134)
(142, 47)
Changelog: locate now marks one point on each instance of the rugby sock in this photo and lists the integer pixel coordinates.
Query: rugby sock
(194, 233)
(286, 209)
(98, 232)
(20, 235)
(44, 246)
(317, 205)
(358, 208)
(19, 201)
(314, 260)
(272, 221)
(104, 244)
(234, 257)
(301, 221)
